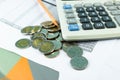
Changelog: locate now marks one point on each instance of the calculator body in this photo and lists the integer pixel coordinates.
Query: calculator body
(89, 19)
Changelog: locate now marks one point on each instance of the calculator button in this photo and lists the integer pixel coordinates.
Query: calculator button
(87, 26)
(112, 8)
(117, 18)
(92, 14)
(71, 20)
(99, 25)
(80, 9)
(89, 9)
(95, 19)
(77, 5)
(108, 3)
(100, 8)
(84, 20)
(117, 3)
(67, 6)
(88, 5)
(83, 14)
(103, 13)
(106, 18)
(68, 10)
(116, 12)
(73, 27)
(110, 24)
(97, 4)
(118, 7)
(70, 15)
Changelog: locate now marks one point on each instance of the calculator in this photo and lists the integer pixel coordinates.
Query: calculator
(89, 19)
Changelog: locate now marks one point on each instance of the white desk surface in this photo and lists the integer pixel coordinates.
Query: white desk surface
(104, 61)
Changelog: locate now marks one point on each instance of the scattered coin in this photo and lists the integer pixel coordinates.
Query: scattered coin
(74, 51)
(47, 38)
(49, 26)
(52, 35)
(44, 31)
(53, 54)
(47, 47)
(79, 62)
(60, 37)
(54, 29)
(27, 30)
(47, 23)
(58, 44)
(36, 42)
(37, 35)
(36, 29)
(66, 45)
(23, 43)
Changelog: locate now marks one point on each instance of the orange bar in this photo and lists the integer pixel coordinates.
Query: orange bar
(21, 71)
(48, 12)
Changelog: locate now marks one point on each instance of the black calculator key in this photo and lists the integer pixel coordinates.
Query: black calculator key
(100, 8)
(99, 25)
(92, 14)
(95, 19)
(90, 9)
(106, 18)
(87, 26)
(84, 20)
(103, 13)
(80, 9)
(83, 14)
(110, 24)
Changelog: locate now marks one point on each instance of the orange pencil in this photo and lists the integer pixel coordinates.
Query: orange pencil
(48, 12)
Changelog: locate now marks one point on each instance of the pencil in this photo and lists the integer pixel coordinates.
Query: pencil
(48, 12)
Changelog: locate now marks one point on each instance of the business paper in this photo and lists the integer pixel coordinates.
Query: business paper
(22, 13)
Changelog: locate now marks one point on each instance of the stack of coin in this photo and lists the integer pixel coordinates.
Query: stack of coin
(47, 38)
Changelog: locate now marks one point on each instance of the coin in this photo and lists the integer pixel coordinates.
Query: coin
(27, 30)
(52, 35)
(60, 38)
(58, 44)
(49, 26)
(36, 42)
(74, 51)
(46, 23)
(66, 45)
(37, 35)
(44, 31)
(36, 29)
(23, 43)
(47, 47)
(47, 38)
(79, 62)
(55, 29)
(53, 54)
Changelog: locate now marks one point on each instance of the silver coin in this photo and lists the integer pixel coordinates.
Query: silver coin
(74, 51)
(58, 44)
(52, 35)
(53, 54)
